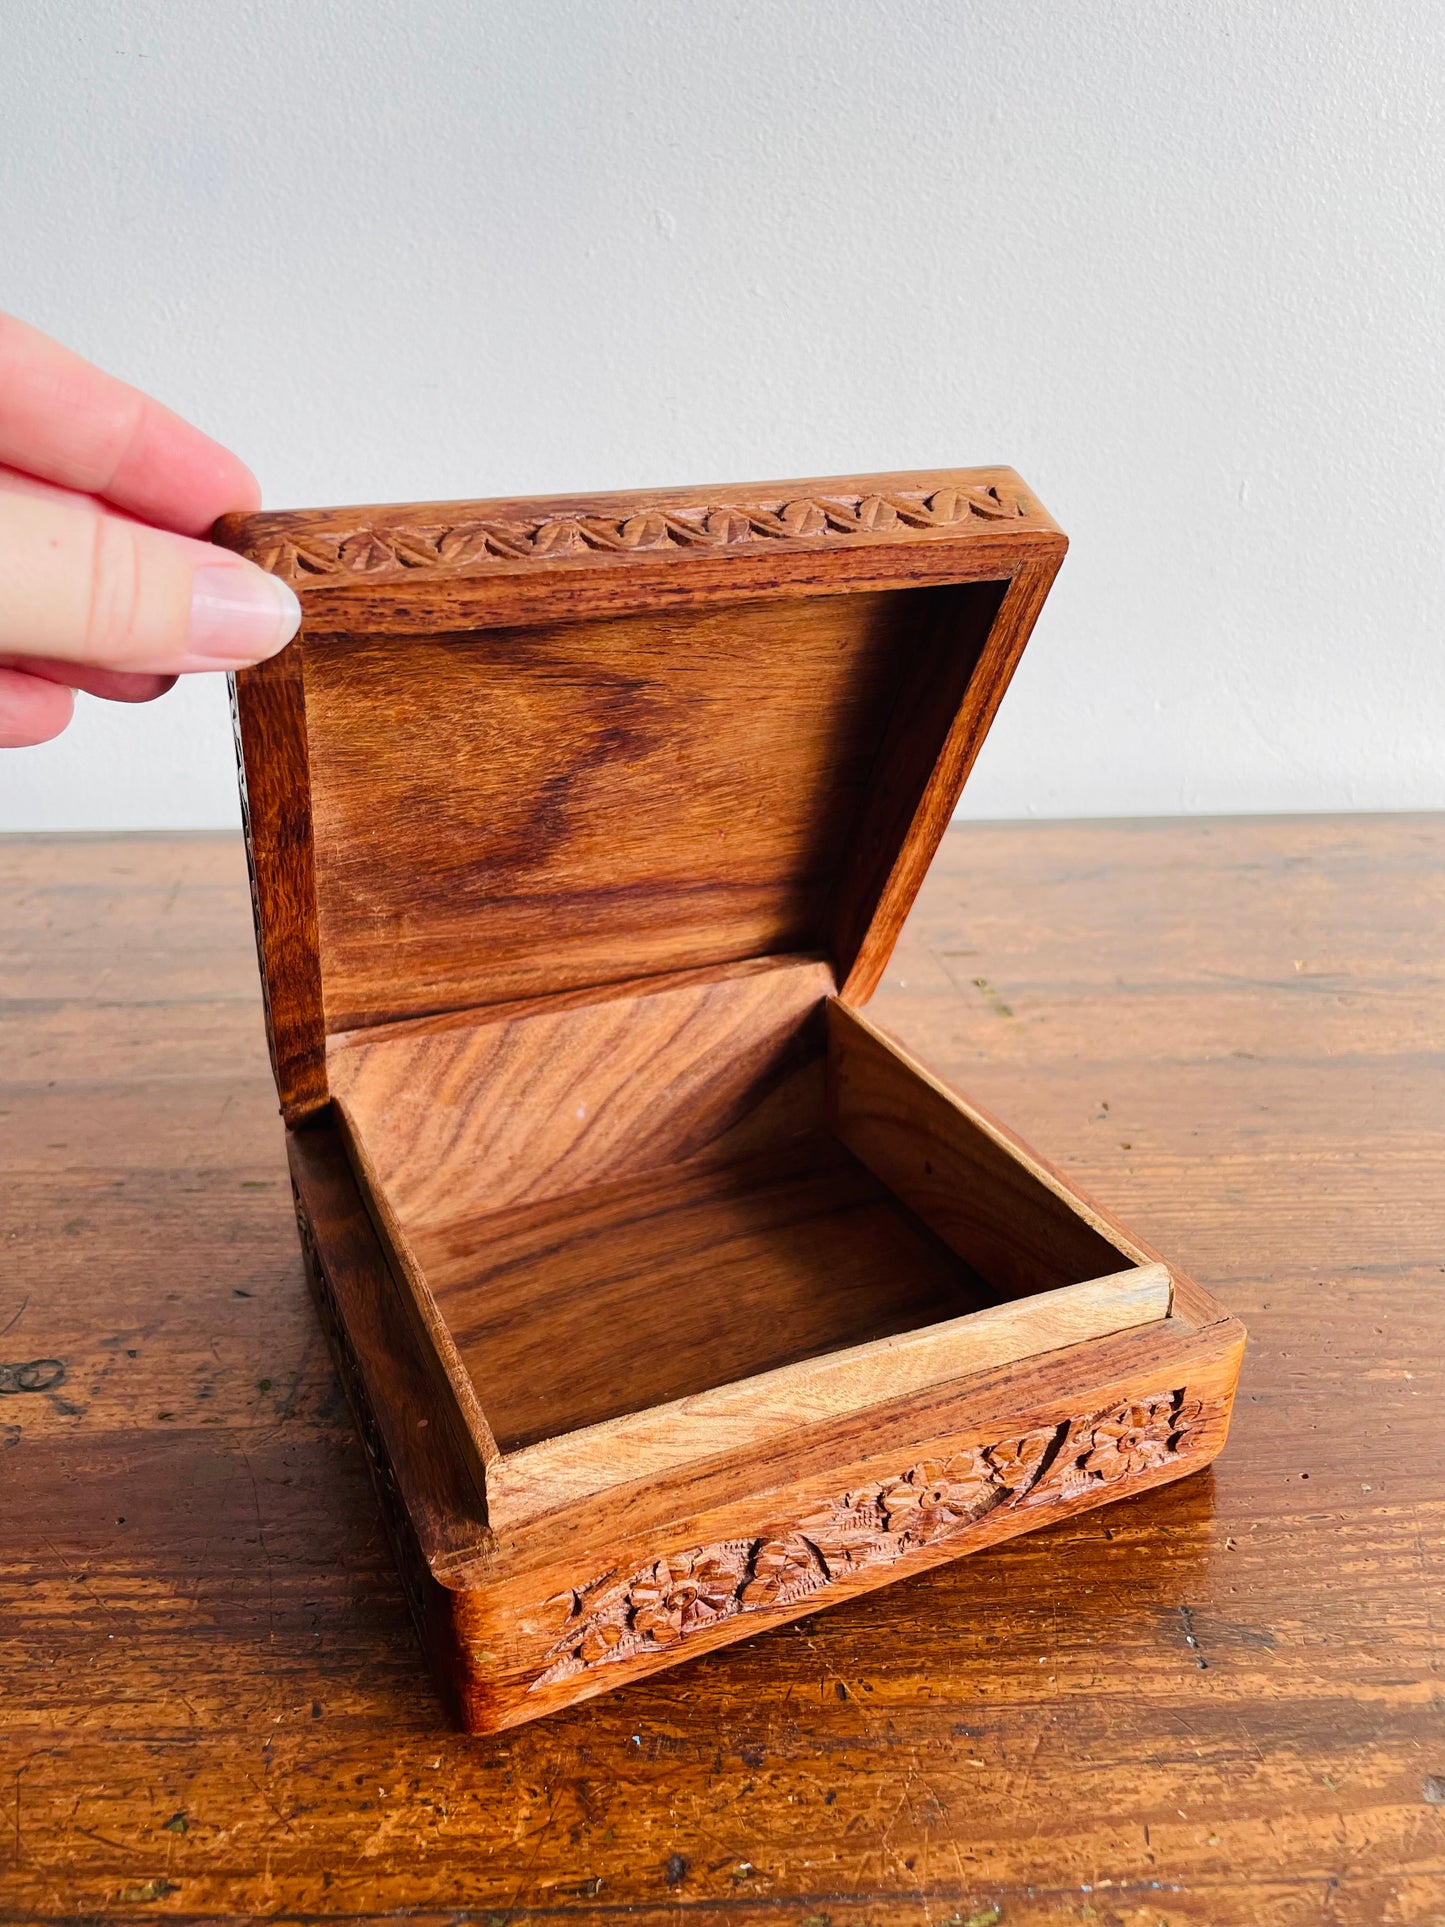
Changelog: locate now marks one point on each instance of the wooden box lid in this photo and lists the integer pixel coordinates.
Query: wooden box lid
(524, 748)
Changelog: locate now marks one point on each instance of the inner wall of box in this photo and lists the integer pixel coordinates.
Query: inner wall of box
(630, 1200)
(517, 813)
(581, 907)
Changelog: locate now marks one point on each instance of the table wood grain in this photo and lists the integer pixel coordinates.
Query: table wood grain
(1217, 1704)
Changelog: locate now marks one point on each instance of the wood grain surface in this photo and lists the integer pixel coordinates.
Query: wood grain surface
(486, 1111)
(630, 1294)
(268, 711)
(486, 803)
(1213, 1704)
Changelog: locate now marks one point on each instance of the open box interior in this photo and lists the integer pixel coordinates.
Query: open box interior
(585, 908)
(632, 1200)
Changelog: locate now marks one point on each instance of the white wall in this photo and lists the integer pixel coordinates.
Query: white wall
(1180, 263)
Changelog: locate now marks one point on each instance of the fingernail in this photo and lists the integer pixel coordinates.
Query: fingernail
(239, 615)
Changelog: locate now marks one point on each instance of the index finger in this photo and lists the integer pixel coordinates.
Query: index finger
(67, 422)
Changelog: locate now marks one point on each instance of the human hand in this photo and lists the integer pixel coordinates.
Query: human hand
(102, 586)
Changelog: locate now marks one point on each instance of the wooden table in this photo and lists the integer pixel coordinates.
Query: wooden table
(1217, 1704)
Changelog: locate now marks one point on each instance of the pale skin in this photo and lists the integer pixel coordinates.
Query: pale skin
(105, 584)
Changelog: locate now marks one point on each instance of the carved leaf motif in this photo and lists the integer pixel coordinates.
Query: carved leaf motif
(874, 512)
(415, 548)
(599, 1639)
(916, 512)
(559, 538)
(1018, 1462)
(649, 531)
(948, 505)
(296, 559)
(801, 519)
(320, 553)
(602, 535)
(1189, 1426)
(728, 525)
(512, 539)
(783, 1570)
(466, 542)
(278, 558)
(366, 554)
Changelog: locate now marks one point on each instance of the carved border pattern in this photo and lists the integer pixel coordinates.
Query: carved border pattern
(931, 1502)
(451, 548)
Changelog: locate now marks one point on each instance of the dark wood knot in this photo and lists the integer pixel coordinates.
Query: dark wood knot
(35, 1375)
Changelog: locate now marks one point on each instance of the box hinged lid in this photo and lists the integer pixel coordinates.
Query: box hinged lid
(522, 748)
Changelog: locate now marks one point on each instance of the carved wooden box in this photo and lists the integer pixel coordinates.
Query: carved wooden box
(674, 1299)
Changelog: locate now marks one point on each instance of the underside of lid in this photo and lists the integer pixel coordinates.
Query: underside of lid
(526, 748)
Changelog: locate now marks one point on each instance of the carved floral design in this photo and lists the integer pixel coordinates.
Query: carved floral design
(451, 548)
(933, 1501)
(1126, 1442)
(683, 1592)
(782, 1570)
(658, 1606)
(1139, 1437)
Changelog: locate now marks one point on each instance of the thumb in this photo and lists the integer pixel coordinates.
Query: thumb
(83, 586)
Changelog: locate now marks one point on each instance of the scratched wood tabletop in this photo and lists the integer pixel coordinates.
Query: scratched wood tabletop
(1215, 1704)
